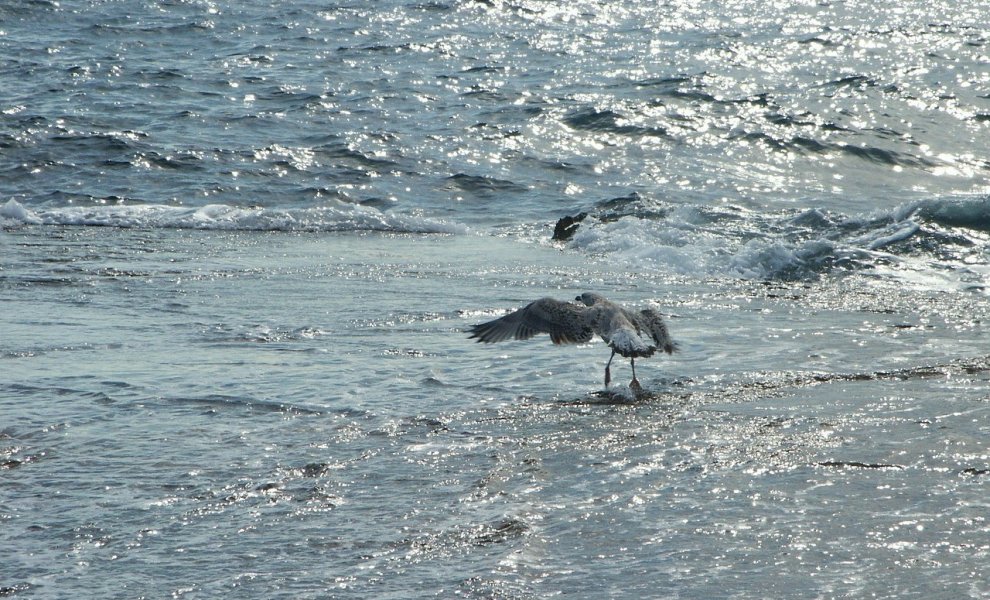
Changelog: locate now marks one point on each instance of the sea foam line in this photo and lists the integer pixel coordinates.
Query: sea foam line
(347, 217)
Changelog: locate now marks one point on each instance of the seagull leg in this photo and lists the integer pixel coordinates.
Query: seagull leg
(634, 384)
(608, 374)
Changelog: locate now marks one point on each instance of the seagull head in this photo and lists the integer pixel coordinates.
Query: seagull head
(590, 298)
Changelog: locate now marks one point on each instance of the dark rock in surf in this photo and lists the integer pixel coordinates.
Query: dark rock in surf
(567, 226)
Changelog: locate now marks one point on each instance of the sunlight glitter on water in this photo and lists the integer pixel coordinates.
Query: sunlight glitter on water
(237, 288)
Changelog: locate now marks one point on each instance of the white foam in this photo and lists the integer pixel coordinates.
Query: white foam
(667, 246)
(342, 217)
(759, 246)
(886, 236)
(13, 212)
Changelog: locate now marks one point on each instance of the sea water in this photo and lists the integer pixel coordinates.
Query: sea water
(241, 245)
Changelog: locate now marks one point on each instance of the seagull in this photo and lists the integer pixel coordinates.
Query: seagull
(629, 333)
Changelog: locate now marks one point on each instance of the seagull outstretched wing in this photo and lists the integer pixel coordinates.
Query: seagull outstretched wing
(651, 321)
(566, 322)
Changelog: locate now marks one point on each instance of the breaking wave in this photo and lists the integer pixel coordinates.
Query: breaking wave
(343, 217)
(934, 234)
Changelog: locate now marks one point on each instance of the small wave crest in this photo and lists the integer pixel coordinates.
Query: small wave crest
(482, 185)
(342, 217)
(607, 121)
(969, 214)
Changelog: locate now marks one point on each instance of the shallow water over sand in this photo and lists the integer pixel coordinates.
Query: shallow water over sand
(308, 407)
